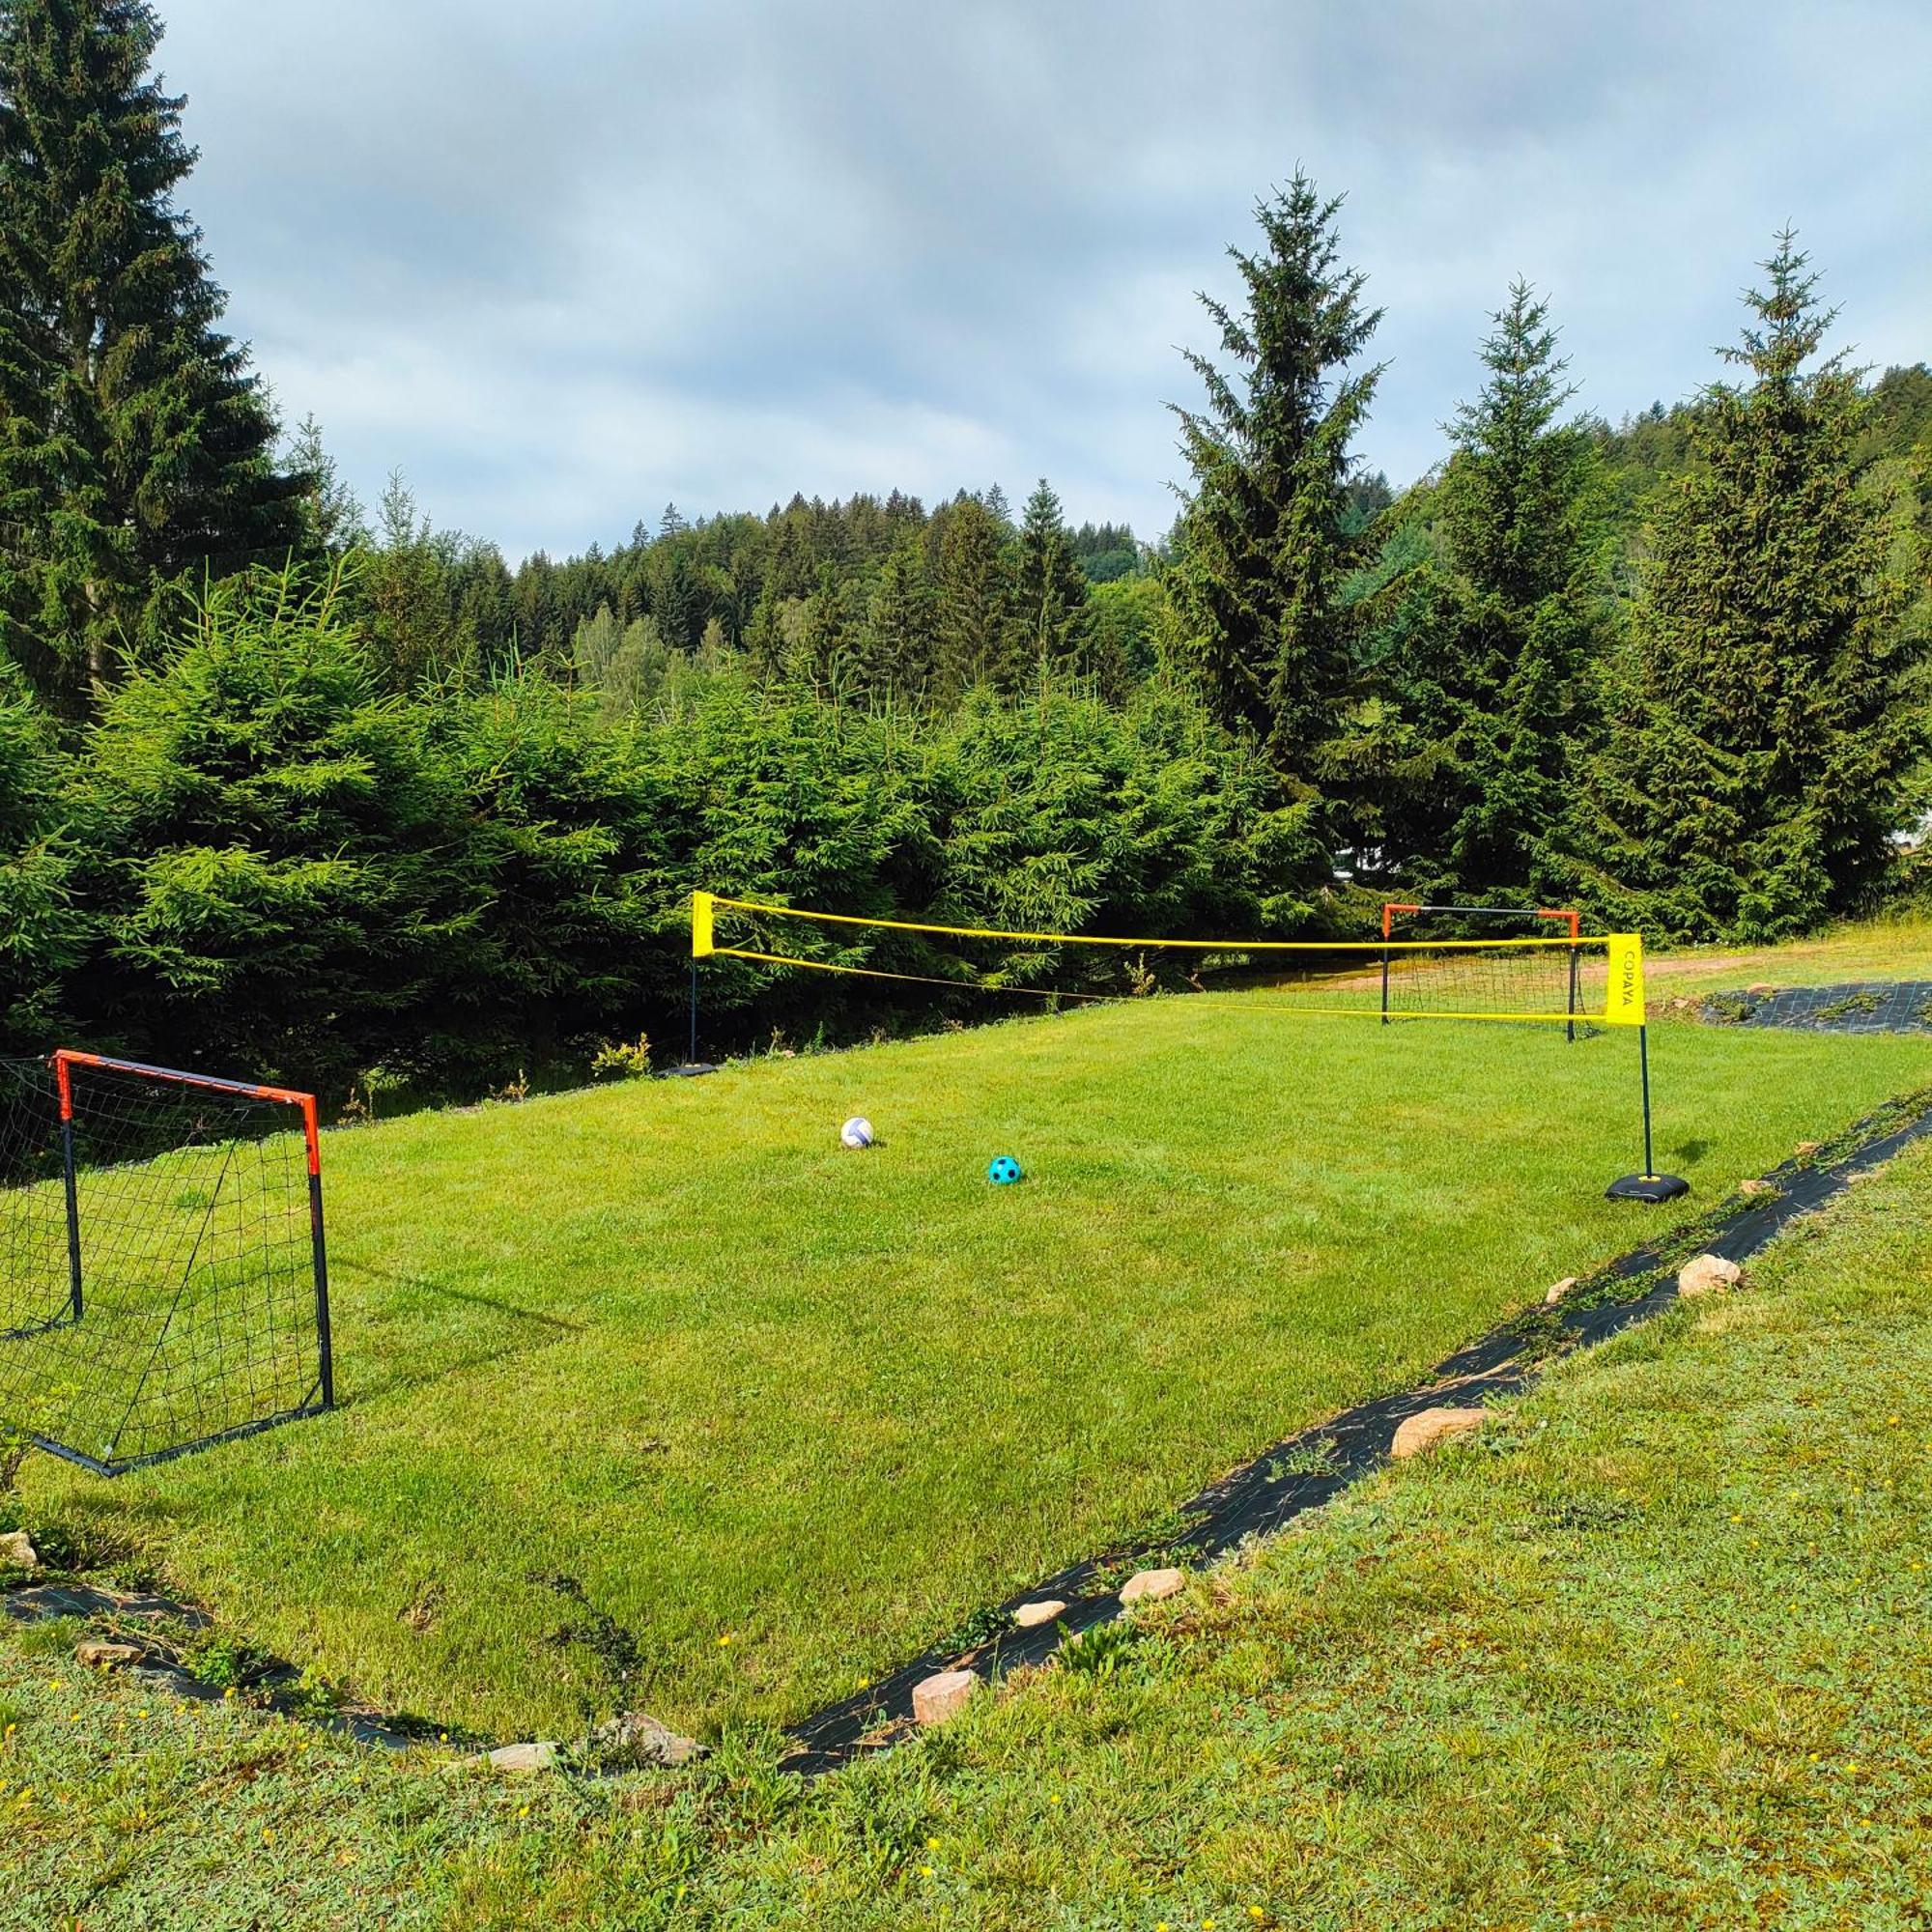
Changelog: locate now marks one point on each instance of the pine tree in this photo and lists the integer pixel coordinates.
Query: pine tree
(974, 598)
(407, 589)
(332, 514)
(1514, 505)
(135, 445)
(1266, 538)
(1049, 590)
(1758, 747)
(895, 647)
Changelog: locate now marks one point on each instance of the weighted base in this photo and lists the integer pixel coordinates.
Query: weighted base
(690, 1071)
(1650, 1188)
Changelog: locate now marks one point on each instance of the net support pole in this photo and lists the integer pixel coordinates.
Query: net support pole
(1570, 1031)
(1388, 926)
(324, 1353)
(1624, 1006)
(690, 1058)
(65, 1080)
(1643, 1076)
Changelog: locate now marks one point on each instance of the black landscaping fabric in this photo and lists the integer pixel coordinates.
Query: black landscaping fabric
(1879, 1005)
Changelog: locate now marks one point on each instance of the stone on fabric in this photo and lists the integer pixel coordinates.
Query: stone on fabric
(1706, 1273)
(640, 1739)
(17, 1552)
(1754, 1188)
(942, 1695)
(1424, 1431)
(1558, 1290)
(1808, 1147)
(1150, 1587)
(537, 1755)
(107, 1655)
(1028, 1616)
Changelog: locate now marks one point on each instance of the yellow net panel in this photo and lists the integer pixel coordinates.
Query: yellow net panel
(1564, 981)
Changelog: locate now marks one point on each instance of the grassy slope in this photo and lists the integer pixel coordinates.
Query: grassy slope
(1895, 948)
(672, 1342)
(1650, 1652)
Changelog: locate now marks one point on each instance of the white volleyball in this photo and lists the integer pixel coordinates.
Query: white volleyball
(856, 1132)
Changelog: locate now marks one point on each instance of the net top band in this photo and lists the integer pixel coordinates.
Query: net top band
(702, 904)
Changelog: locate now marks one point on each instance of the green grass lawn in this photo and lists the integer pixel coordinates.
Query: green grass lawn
(788, 1413)
(1650, 1652)
(1897, 946)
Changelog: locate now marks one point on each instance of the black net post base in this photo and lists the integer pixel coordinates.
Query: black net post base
(163, 1277)
(1652, 1188)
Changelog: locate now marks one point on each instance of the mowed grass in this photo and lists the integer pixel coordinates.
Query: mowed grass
(1898, 947)
(1650, 1652)
(788, 1413)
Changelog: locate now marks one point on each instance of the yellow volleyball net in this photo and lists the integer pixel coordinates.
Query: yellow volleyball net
(1572, 979)
(1569, 981)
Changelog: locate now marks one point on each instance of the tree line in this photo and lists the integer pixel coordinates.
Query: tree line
(339, 795)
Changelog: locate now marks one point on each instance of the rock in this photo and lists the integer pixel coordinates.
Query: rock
(1424, 1431)
(1707, 1272)
(1558, 1290)
(1761, 988)
(637, 1738)
(1150, 1587)
(107, 1655)
(17, 1552)
(537, 1755)
(1752, 1189)
(942, 1695)
(1028, 1616)
(1808, 1147)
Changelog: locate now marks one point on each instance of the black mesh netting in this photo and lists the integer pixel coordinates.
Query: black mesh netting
(172, 1298)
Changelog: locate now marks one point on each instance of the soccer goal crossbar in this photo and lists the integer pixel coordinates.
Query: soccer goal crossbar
(1568, 980)
(164, 1276)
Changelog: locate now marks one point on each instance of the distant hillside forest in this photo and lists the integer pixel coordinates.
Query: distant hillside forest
(320, 790)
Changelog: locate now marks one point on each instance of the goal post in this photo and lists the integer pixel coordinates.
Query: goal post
(163, 1267)
(1392, 909)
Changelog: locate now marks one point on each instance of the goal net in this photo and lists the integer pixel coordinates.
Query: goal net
(162, 1277)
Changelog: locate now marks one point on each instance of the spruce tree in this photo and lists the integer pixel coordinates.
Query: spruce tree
(331, 511)
(1758, 745)
(894, 655)
(1050, 589)
(1513, 503)
(135, 445)
(974, 600)
(1266, 538)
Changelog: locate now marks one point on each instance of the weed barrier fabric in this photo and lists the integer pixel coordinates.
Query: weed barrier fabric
(1889, 1006)
(1263, 1495)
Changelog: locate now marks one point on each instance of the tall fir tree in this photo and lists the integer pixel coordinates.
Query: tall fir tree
(1049, 589)
(1758, 745)
(332, 513)
(1267, 531)
(1514, 507)
(973, 626)
(135, 445)
(894, 655)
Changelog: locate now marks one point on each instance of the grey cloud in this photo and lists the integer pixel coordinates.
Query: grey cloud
(561, 265)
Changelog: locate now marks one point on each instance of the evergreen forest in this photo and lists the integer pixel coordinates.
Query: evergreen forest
(311, 789)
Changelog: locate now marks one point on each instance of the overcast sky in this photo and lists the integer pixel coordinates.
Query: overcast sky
(560, 264)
